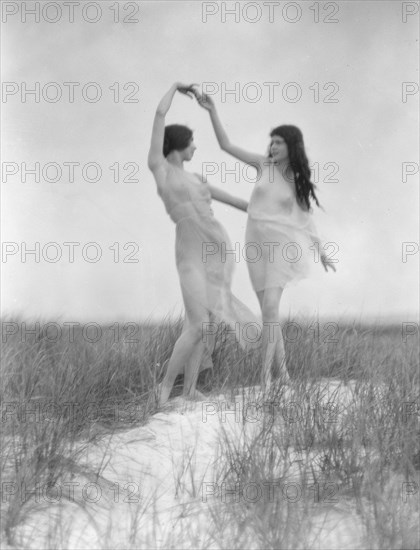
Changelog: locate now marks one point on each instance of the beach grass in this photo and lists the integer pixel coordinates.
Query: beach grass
(357, 438)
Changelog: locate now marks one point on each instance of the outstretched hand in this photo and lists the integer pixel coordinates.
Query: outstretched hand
(327, 263)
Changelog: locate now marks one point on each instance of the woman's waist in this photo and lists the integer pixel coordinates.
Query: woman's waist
(270, 210)
(279, 221)
(189, 209)
(257, 215)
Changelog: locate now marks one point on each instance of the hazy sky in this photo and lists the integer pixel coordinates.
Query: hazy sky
(362, 60)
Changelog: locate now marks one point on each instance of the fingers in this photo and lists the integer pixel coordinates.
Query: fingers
(187, 88)
(197, 94)
(326, 264)
(186, 92)
(190, 88)
(180, 85)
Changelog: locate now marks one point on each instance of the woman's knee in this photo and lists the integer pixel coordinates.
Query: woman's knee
(198, 330)
(271, 304)
(270, 312)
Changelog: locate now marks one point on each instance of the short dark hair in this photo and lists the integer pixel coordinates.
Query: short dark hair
(177, 138)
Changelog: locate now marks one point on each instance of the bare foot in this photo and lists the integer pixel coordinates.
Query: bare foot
(162, 395)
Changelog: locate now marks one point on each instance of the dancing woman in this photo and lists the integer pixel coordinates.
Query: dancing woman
(205, 279)
(279, 225)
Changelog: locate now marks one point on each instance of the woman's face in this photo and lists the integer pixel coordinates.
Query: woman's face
(188, 152)
(278, 149)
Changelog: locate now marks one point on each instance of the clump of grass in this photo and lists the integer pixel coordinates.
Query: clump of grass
(60, 394)
(359, 441)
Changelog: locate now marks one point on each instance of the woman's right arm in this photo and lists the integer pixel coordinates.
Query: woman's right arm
(156, 158)
(254, 159)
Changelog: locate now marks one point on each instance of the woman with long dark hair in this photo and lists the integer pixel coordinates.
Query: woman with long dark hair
(205, 279)
(279, 227)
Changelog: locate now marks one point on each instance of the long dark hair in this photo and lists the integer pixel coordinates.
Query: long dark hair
(305, 189)
(177, 138)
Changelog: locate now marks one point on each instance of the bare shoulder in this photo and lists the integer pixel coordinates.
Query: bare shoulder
(261, 161)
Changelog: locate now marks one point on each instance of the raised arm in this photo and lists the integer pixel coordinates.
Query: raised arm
(253, 159)
(155, 157)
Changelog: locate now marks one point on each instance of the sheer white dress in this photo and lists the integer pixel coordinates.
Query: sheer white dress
(280, 235)
(205, 275)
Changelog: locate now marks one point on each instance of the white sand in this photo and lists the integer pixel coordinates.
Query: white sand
(166, 469)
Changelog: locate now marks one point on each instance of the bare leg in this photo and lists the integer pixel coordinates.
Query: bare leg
(180, 356)
(192, 370)
(272, 337)
(189, 347)
(281, 357)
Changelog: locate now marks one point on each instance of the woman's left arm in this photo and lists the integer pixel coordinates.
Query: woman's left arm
(326, 262)
(221, 196)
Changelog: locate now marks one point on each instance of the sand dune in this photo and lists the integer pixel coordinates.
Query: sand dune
(161, 484)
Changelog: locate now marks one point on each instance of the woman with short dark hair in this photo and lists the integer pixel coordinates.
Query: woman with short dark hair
(205, 278)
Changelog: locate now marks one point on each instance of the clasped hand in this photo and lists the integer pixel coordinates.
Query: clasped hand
(189, 90)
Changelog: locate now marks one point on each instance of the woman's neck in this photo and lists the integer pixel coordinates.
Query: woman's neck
(175, 161)
(282, 165)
